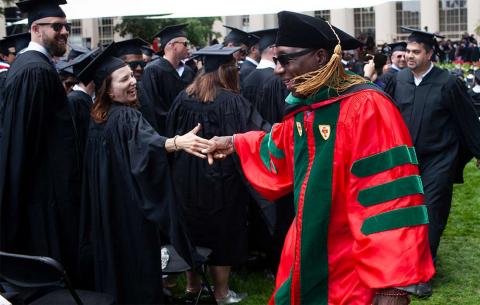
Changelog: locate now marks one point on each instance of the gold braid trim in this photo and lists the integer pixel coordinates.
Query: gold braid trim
(332, 75)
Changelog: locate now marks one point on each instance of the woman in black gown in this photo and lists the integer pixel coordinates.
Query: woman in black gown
(214, 197)
(127, 189)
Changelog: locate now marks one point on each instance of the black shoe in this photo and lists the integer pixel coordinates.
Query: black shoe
(423, 290)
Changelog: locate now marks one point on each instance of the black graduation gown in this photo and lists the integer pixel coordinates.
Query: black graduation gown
(127, 191)
(39, 181)
(214, 197)
(246, 68)
(387, 76)
(80, 106)
(146, 108)
(476, 101)
(444, 127)
(160, 85)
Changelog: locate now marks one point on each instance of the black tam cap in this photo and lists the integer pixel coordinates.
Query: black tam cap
(19, 41)
(238, 37)
(76, 51)
(215, 56)
(398, 46)
(303, 31)
(102, 66)
(422, 37)
(38, 9)
(267, 38)
(170, 32)
(130, 47)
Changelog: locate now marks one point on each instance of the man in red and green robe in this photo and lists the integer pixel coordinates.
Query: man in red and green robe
(360, 224)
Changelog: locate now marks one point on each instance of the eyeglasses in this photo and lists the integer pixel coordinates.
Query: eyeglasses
(12, 53)
(134, 64)
(284, 59)
(185, 43)
(58, 26)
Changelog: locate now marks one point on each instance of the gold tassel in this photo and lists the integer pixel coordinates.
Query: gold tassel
(332, 75)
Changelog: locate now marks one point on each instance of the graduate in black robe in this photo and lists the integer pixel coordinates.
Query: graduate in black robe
(397, 58)
(475, 92)
(164, 78)
(127, 191)
(443, 124)
(251, 60)
(214, 198)
(39, 185)
(262, 88)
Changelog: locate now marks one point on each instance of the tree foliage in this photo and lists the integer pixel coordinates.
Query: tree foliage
(199, 30)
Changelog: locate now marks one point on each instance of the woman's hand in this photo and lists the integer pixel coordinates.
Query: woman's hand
(192, 143)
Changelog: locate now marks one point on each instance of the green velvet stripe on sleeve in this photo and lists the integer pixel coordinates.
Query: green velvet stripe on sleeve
(383, 161)
(268, 149)
(400, 187)
(406, 217)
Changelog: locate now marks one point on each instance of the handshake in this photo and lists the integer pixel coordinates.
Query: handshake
(215, 148)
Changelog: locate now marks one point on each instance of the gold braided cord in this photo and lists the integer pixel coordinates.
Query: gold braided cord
(332, 75)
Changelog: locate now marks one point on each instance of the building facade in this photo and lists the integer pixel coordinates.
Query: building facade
(451, 18)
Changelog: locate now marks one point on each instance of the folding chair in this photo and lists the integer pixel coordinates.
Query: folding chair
(176, 264)
(40, 271)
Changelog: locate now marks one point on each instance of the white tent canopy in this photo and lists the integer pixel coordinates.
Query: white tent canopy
(81, 9)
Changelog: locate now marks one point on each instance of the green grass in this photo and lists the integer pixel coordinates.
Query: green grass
(458, 268)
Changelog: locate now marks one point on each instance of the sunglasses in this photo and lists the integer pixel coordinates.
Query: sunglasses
(58, 26)
(284, 59)
(185, 43)
(243, 52)
(135, 64)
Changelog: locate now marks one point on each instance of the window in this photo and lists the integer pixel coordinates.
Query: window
(408, 14)
(453, 17)
(105, 30)
(325, 14)
(364, 21)
(245, 22)
(76, 32)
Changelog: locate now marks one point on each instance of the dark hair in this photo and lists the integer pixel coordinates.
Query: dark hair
(206, 86)
(102, 102)
(426, 46)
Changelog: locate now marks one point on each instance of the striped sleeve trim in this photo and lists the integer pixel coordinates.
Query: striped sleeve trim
(395, 219)
(383, 161)
(398, 188)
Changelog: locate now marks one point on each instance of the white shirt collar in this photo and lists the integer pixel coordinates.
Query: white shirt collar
(78, 88)
(265, 63)
(476, 89)
(253, 61)
(33, 46)
(419, 79)
(394, 66)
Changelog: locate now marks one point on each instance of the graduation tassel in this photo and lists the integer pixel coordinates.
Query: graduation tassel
(332, 75)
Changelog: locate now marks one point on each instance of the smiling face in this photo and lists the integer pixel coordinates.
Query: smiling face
(418, 58)
(54, 41)
(398, 59)
(297, 65)
(123, 88)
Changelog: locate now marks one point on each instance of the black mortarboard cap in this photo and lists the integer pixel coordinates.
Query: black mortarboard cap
(422, 37)
(4, 47)
(77, 65)
(130, 46)
(19, 41)
(267, 38)
(215, 56)
(303, 31)
(147, 50)
(38, 9)
(102, 66)
(64, 66)
(238, 36)
(76, 51)
(169, 32)
(397, 46)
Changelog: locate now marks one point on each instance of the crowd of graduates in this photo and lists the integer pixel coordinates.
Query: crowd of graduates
(103, 157)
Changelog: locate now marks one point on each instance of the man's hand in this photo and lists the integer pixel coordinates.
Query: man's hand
(219, 148)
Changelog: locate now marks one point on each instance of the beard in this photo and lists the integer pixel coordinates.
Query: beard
(54, 45)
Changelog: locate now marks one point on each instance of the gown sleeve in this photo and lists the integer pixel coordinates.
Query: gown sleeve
(266, 159)
(385, 204)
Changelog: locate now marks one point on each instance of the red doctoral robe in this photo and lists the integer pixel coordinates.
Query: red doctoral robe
(360, 222)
